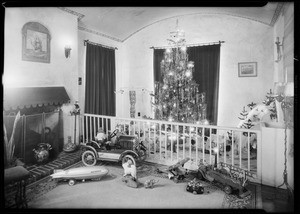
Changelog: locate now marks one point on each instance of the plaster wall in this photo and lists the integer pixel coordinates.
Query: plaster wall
(278, 66)
(60, 71)
(245, 41)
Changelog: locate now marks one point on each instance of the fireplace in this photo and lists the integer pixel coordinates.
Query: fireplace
(41, 119)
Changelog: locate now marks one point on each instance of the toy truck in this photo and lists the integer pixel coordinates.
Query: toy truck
(229, 179)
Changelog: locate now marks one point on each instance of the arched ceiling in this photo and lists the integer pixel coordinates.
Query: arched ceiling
(119, 23)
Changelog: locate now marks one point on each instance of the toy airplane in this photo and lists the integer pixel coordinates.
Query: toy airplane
(173, 171)
(80, 173)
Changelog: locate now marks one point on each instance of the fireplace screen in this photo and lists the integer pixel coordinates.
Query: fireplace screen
(32, 130)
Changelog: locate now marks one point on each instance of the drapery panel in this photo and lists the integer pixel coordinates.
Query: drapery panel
(100, 80)
(206, 73)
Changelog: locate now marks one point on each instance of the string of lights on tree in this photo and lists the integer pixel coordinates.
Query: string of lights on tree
(178, 98)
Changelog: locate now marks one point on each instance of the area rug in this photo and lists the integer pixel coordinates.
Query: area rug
(231, 201)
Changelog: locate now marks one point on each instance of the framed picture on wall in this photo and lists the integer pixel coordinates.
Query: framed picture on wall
(35, 43)
(247, 69)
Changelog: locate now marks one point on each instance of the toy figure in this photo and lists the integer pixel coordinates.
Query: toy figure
(150, 183)
(101, 138)
(195, 187)
(130, 177)
(130, 169)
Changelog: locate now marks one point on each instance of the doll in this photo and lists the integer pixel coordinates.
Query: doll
(101, 137)
(130, 169)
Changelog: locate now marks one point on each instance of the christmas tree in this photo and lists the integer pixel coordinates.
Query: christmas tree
(177, 98)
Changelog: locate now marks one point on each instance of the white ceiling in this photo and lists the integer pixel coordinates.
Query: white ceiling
(119, 23)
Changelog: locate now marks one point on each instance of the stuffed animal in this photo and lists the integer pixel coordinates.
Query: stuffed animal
(129, 169)
(101, 136)
(260, 113)
(150, 183)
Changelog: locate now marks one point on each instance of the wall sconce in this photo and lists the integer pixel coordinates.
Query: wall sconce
(67, 51)
(279, 46)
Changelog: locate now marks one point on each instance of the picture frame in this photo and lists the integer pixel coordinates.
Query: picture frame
(247, 69)
(35, 43)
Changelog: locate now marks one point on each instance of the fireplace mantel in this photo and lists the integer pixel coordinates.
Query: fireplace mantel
(19, 98)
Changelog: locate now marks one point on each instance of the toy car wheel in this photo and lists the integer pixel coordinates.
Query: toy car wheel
(227, 189)
(71, 182)
(127, 157)
(88, 158)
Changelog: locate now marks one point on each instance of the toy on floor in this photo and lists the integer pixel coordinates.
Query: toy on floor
(130, 181)
(195, 187)
(80, 173)
(129, 169)
(173, 171)
(149, 184)
(130, 176)
(231, 178)
(120, 149)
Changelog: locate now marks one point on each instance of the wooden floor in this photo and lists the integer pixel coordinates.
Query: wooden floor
(271, 199)
(276, 200)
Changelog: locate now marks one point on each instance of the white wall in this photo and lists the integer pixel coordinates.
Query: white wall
(245, 41)
(278, 66)
(60, 71)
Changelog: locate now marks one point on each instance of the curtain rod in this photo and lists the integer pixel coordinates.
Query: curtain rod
(192, 45)
(105, 46)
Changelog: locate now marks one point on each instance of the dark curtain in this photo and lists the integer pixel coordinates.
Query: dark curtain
(206, 74)
(158, 55)
(100, 80)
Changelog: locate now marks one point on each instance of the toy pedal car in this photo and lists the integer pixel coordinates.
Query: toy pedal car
(125, 147)
(195, 187)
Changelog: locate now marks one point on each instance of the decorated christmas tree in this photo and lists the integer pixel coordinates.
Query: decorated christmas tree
(177, 98)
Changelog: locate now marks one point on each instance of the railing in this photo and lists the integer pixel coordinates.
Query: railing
(169, 142)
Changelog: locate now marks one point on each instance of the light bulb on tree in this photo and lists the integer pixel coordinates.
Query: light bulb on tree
(188, 73)
(190, 64)
(183, 48)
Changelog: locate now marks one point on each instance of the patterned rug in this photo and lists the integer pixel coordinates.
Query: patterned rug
(231, 201)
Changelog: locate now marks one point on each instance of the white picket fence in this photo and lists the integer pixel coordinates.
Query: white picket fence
(170, 142)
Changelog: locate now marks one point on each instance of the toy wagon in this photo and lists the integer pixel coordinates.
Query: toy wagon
(125, 147)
